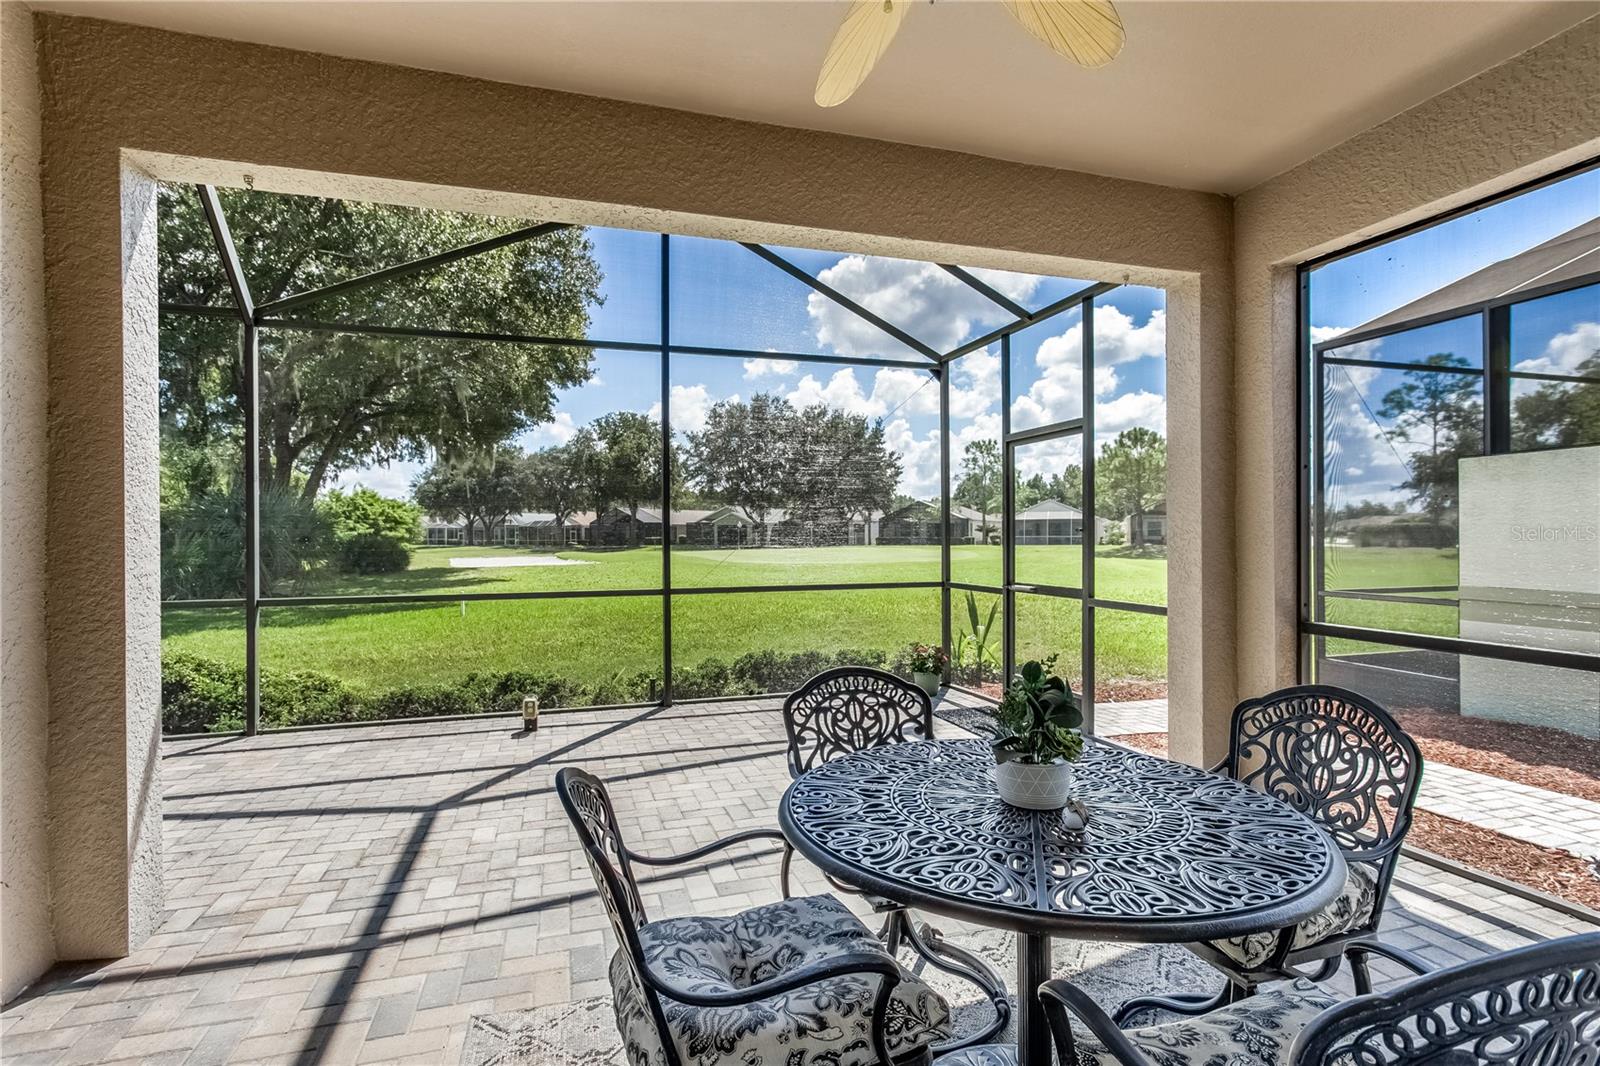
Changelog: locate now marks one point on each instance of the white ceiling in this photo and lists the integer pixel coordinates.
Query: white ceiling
(1206, 95)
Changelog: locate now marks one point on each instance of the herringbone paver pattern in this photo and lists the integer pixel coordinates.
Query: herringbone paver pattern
(356, 895)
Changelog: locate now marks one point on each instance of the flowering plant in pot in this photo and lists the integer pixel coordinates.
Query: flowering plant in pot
(1037, 739)
(927, 667)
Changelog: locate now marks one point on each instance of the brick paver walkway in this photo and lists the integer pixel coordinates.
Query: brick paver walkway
(357, 895)
(1536, 815)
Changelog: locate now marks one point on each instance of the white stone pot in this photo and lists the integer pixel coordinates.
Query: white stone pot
(928, 683)
(1034, 786)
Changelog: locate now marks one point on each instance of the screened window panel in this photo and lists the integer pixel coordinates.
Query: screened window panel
(332, 664)
(1130, 665)
(798, 473)
(1130, 432)
(1048, 523)
(1456, 342)
(735, 644)
(1050, 626)
(1393, 442)
(202, 670)
(202, 459)
(977, 640)
(976, 468)
(571, 500)
(1047, 372)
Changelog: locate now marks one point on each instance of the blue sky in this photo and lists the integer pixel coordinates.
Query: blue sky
(1365, 458)
(724, 296)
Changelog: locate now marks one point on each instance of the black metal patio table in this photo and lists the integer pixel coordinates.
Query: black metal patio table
(1171, 853)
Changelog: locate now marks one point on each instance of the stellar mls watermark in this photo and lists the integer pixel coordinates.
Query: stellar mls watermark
(1543, 534)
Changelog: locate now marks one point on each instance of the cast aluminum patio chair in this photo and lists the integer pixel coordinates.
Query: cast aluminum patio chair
(849, 709)
(1531, 1006)
(800, 982)
(1343, 760)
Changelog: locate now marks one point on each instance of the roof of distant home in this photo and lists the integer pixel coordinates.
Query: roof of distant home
(1561, 258)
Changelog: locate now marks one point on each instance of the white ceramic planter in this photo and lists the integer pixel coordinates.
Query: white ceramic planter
(1034, 786)
(928, 683)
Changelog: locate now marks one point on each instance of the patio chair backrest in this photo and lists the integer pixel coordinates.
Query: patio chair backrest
(588, 805)
(1532, 1006)
(1336, 756)
(849, 709)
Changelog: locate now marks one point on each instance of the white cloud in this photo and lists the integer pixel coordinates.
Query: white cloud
(1057, 394)
(1359, 350)
(690, 405)
(975, 384)
(558, 430)
(919, 458)
(1565, 351)
(760, 368)
(1128, 410)
(1118, 340)
(923, 299)
(894, 391)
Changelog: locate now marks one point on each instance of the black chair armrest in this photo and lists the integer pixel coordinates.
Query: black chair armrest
(700, 853)
(1061, 997)
(848, 964)
(1416, 964)
(726, 842)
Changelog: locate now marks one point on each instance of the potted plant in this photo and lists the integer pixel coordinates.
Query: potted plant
(927, 667)
(1037, 739)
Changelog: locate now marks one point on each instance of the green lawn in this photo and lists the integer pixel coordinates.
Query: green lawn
(1369, 568)
(377, 648)
(383, 647)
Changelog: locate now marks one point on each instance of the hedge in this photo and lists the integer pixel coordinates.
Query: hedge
(204, 695)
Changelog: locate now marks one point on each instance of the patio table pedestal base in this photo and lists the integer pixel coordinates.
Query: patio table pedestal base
(1033, 970)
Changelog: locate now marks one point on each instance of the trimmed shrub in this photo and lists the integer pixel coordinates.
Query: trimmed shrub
(373, 553)
(372, 534)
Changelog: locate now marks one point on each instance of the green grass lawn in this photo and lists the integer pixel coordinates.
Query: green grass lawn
(1368, 568)
(380, 647)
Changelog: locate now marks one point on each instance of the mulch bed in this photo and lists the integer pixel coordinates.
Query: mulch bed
(1547, 870)
(1528, 754)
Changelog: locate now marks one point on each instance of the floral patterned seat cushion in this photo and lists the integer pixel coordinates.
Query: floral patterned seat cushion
(824, 1023)
(1349, 910)
(1257, 1031)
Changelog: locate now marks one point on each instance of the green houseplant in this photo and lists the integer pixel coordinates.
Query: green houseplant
(1037, 739)
(927, 667)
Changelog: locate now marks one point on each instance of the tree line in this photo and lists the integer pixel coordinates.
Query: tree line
(821, 467)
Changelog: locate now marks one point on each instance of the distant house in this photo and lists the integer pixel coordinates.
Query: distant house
(1054, 522)
(1153, 526)
(529, 529)
(918, 523)
(614, 528)
(729, 527)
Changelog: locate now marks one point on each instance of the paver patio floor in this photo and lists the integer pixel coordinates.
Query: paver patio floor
(357, 895)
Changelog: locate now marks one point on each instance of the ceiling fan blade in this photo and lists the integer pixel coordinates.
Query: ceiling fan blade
(1088, 32)
(862, 39)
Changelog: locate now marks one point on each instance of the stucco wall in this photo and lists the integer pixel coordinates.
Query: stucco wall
(26, 945)
(1530, 116)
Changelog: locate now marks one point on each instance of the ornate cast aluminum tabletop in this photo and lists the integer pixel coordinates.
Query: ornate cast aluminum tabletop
(1171, 853)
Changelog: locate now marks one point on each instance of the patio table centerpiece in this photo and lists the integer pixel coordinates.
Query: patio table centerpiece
(1037, 739)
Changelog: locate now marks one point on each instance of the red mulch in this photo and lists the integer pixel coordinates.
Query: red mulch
(1127, 689)
(1528, 754)
(1548, 870)
(1149, 743)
